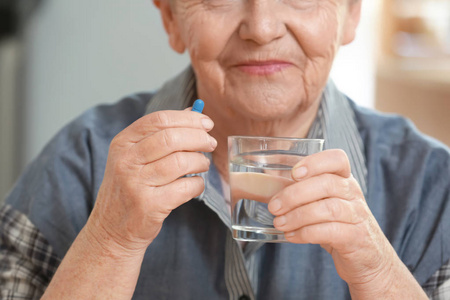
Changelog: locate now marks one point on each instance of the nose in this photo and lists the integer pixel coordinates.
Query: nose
(261, 23)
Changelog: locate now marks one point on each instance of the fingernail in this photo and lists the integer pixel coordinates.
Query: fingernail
(300, 172)
(212, 141)
(207, 124)
(275, 205)
(281, 221)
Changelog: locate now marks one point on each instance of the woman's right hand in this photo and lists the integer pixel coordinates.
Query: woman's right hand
(144, 181)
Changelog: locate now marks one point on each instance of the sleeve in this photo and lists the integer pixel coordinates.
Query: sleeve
(27, 261)
(438, 286)
(51, 202)
(425, 242)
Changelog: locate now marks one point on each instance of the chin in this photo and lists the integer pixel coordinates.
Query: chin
(267, 104)
(267, 110)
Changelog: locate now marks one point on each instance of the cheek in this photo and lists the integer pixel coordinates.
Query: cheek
(319, 36)
(206, 35)
(319, 32)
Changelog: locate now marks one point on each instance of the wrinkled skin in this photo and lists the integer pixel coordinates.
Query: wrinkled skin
(326, 206)
(261, 66)
(221, 34)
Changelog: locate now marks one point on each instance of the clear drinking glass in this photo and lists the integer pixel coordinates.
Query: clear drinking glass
(259, 168)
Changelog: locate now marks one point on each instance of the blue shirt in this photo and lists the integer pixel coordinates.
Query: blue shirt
(405, 177)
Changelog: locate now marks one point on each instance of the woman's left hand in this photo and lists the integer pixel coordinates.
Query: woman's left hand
(326, 206)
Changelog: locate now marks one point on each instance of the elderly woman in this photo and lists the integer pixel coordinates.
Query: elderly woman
(366, 218)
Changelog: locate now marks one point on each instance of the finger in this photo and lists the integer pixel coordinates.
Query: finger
(337, 235)
(171, 140)
(333, 161)
(164, 119)
(322, 211)
(314, 189)
(172, 195)
(174, 166)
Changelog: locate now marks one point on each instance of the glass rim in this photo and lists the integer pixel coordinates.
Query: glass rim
(276, 138)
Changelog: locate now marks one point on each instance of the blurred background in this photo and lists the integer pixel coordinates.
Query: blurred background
(61, 57)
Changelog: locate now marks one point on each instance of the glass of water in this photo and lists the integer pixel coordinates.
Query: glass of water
(259, 167)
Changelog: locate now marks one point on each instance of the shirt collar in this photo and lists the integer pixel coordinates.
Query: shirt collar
(335, 123)
(176, 94)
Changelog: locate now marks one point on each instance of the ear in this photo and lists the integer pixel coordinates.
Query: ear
(352, 21)
(170, 25)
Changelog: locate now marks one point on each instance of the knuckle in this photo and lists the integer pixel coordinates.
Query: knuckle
(168, 139)
(190, 187)
(199, 184)
(180, 162)
(340, 155)
(205, 137)
(207, 161)
(153, 181)
(185, 187)
(334, 209)
(297, 215)
(331, 185)
(360, 209)
(336, 186)
(154, 173)
(357, 215)
(354, 187)
(199, 163)
(121, 167)
(161, 118)
(345, 188)
(295, 237)
(136, 155)
(161, 211)
(342, 158)
(116, 143)
(304, 234)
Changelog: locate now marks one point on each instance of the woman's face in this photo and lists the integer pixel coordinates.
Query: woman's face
(265, 59)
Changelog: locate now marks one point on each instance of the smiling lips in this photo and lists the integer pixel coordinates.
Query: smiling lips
(263, 67)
